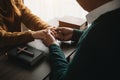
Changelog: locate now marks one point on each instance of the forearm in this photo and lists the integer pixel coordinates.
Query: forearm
(58, 63)
(15, 38)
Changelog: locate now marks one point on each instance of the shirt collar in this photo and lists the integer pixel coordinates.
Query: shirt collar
(93, 15)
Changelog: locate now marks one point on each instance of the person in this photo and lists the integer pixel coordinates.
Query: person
(12, 14)
(97, 54)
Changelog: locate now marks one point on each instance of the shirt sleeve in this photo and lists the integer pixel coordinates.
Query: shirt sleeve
(8, 39)
(58, 63)
(76, 35)
(30, 20)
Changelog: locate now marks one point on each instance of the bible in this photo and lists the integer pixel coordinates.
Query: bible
(26, 55)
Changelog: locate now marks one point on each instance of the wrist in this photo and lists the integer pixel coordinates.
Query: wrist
(33, 34)
(54, 43)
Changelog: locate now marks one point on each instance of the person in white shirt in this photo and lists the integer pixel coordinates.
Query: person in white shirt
(97, 54)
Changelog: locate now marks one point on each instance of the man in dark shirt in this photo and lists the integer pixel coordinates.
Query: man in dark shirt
(97, 54)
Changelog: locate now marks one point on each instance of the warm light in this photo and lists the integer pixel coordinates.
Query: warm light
(49, 9)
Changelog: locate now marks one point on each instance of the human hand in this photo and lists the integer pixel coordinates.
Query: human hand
(38, 34)
(64, 33)
(48, 38)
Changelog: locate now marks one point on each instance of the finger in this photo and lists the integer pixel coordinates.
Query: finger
(53, 31)
(54, 34)
(45, 31)
(49, 31)
(54, 28)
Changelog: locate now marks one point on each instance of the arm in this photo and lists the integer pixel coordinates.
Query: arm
(57, 59)
(58, 63)
(14, 38)
(30, 20)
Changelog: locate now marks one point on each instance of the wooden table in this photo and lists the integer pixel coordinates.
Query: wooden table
(11, 70)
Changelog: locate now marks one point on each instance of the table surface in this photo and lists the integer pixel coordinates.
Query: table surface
(12, 70)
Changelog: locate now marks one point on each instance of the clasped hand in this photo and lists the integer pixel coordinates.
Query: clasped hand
(51, 35)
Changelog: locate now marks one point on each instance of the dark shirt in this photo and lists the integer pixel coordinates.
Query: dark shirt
(97, 54)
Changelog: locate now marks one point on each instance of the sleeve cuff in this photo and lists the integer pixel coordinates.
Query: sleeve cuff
(76, 35)
(54, 46)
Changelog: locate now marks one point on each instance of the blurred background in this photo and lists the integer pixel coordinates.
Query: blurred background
(51, 9)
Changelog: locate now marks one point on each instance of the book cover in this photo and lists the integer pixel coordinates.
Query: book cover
(72, 22)
(26, 55)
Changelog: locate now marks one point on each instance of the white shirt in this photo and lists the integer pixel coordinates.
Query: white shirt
(94, 14)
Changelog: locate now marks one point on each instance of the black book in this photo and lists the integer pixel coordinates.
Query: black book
(26, 55)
